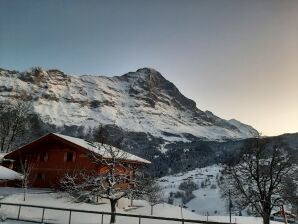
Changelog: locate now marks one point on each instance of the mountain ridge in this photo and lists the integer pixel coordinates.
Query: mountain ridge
(141, 101)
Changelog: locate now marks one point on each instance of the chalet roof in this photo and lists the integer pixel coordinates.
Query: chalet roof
(102, 149)
(8, 174)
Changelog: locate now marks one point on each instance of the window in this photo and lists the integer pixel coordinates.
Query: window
(43, 157)
(40, 176)
(69, 156)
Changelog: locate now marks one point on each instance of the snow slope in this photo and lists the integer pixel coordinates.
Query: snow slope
(207, 198)
(141, 101)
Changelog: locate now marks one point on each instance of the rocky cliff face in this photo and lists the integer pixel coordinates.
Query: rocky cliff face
(141, 101)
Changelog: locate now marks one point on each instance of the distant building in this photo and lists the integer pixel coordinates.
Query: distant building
(53, 155)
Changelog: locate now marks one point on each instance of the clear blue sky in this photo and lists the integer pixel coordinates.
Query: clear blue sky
(235, 58)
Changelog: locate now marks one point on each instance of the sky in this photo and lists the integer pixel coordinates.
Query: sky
(238, 59)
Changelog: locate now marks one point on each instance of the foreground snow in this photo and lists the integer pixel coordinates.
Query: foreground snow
(51, 199)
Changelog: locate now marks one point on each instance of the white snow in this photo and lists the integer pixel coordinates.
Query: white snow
(2, 156)
(51, 199)
(68, 101)
(8, 174)
(101, 149)
(207, 199)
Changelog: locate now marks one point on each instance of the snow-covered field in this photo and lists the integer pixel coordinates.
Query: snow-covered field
(52, 199)
(207, 198)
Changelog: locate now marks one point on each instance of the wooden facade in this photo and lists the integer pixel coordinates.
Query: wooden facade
(52, 156)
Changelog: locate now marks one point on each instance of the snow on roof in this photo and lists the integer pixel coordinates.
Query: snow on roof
(8, 174)
(2, 156)
(102, 149)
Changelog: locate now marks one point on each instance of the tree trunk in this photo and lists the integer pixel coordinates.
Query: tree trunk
(25, 192)
(151, 209)
(24, 196)
(113, 211)
(266, 219)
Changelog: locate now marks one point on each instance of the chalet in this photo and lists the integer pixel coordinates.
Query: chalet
(53, 155)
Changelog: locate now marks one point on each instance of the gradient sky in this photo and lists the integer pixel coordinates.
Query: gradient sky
(236, 58)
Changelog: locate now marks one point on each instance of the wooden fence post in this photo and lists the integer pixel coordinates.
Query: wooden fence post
(42, 217)
(139, 219)
(69, 217)
(101, 218)
(19, 212)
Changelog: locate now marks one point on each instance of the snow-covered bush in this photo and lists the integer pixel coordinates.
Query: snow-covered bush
(188, 186)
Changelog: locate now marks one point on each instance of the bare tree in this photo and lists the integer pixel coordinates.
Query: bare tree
(290, 192)
(101, 134)
(115, 181)
(256, 177)
(152, 192)
(26, 168)
(14, 121)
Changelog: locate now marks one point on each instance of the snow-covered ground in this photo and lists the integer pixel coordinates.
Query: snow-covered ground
(207, 197)
(52, 199)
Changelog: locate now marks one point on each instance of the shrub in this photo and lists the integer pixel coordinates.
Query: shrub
(188, 186)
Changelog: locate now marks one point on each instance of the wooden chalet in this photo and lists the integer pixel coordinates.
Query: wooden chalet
(53, 155)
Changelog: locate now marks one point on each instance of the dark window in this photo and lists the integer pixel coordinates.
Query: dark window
(39, 176)
(69, 157)
(43, 157)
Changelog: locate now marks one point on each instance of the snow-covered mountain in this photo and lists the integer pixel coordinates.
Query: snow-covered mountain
(141, 101)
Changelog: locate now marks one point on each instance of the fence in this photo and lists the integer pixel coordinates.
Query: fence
(69, 219)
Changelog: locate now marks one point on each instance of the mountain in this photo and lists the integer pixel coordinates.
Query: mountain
(289, 139)
(142, 110)
(141, 101)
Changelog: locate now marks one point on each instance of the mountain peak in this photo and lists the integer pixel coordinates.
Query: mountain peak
(147, 70)
(142, 101)
(149, 84)
(144, 73)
